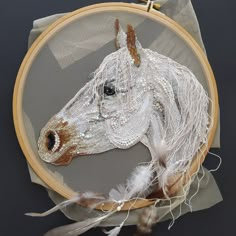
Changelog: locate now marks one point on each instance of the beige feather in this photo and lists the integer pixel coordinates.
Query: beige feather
(146, 220)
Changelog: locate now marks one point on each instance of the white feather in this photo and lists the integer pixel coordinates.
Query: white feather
(138, 184)
(118, 194)
(115, 231)
(77, 228)
(86, 195)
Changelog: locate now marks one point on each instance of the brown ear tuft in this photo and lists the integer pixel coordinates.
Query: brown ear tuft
(117, 29)
(131, 44)
(117, 26)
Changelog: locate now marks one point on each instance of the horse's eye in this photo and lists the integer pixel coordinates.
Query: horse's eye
(109, 90)
(50, 141)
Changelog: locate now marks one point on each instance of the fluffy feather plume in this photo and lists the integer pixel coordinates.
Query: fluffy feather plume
(87, 199)
(118, 194)
(115, 231)
(138, 184)
(146, 220)
(140, 180)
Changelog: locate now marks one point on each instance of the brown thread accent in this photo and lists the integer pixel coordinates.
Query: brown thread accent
(131, 44)
(64, 136)
(67, 157)
(117, 29)
(61, 124)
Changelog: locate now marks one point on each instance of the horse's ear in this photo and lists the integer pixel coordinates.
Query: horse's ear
(124, 131)
(120, 40)
(132, 44)
(128, 39)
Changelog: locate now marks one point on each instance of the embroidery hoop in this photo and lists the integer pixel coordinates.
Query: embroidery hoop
(147, 11)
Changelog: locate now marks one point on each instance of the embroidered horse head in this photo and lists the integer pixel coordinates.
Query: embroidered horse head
(136, 95)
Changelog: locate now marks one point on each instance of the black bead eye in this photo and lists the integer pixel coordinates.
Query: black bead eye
(109, 90)
(50, 141)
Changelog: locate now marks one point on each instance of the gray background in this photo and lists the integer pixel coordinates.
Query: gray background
(18, 195)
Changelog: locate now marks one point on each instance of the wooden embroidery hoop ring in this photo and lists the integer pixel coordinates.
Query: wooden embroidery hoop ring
(32, 159)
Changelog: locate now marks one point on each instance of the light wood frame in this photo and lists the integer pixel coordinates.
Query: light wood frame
(47, 177)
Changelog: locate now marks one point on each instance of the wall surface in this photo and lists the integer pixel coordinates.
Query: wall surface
(19, 195)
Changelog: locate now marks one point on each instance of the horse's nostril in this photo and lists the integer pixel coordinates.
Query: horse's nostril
(50, 140)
